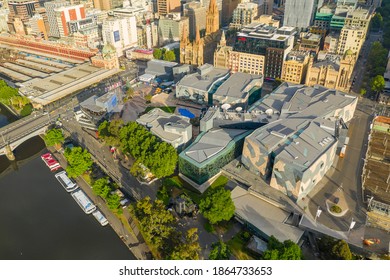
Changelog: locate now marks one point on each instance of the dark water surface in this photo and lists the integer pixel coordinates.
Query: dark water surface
(40, 220)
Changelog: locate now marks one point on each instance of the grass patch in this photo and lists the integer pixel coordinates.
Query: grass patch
(176, 182)
(237, 246)
(335, 209)
(168, 109)
(125, 223)
(87, 178)
(221, 181)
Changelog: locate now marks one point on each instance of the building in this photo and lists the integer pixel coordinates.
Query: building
(165, 7)
(196, 14)
(239, 90)
(4, 19)
(107, 4)
(88, 27)
(332, 71)
(268, 20)
(351, 38)
(198, 86)
(201, 50)
(375, 176)
(66, 14)
(331, 42)
(21, 11)
(299, 13)
(269, 42)
(297, 145)
(201, 162)
(160, 69)
(359, 17)
(107, 59)
(171, 28)
(37, 27)
(310, 42)
(51, 16)
(139, 54)
(222, 53)
(228, 6)
(244, 14)
(173, 129)
(121, 33)
(295, 67)
(266, 7)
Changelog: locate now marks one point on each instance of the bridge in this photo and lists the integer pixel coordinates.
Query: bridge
(17, 132)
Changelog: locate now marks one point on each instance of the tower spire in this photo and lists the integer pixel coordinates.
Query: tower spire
(222, 42)
(212, 18)
(197, 34)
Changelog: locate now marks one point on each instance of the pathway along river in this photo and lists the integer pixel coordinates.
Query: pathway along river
(39, 220)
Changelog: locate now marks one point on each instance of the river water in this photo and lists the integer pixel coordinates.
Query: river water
(39, 220)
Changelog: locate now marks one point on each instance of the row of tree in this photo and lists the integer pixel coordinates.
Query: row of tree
(159, 228)
(147, 150)
(383, 21)
(164, 54)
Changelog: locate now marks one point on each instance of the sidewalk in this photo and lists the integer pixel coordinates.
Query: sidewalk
(129, 238)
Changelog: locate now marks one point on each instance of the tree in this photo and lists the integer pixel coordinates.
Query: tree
(113, 201)
(189, 249)
(217, 205)
(79, 161)
(101, 187)
(341, 251)
(363, 92)
(156, 222)
(26, 110)
(377, 21)
(277, 250)
(220, 251)
(109, 132)
(378, 83)
(169, 56)
(54, 137)
(157, 53)
(130, 92)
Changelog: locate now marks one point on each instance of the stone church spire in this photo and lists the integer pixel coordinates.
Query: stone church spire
(222, 42)
(212, 18)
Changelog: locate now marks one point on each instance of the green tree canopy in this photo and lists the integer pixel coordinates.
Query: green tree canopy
(6, 93)
(378, 83)
(341, 251)
(113, 201)
(188, 249)
(169, 56)
(157, 53)
(220, 251)
(377, 59)
(217, 205)
(109, 132)
(54, 137)
(156, 222)
(363, 92)
(79, 161)
(377, 21)
(102, 187)
(286, 250)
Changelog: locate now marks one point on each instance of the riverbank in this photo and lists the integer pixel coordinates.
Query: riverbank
(130, 239)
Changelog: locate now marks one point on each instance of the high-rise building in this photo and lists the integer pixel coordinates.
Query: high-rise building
(299, 13)
(51, 16)
(23, 10)
(37, 26)
(107, 4)
(228, 7)
(351, 38)
(196, 14)
(171, 28)
(121, 33)
(165, 7)
(66, 14)
(4, 19)
(244, 14)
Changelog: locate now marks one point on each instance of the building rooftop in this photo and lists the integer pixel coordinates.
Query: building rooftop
(211, 143)
(204, 78)
(159, 67)
(238, 85)
(268, 218)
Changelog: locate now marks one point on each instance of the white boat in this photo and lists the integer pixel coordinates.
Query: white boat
(67, 183)
(83, 201)
(100, 217)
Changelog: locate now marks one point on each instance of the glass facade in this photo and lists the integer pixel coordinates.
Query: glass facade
(257, 45)
(201, 172)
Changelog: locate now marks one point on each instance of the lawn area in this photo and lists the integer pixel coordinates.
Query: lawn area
(175, 185)
(221, 181)
(168, 109)
(238, 247)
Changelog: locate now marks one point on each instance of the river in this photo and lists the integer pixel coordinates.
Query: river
(39, 220)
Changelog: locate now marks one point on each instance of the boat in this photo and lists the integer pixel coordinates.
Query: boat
(83, 201)
(67, 183)
(50, 161)
(100, 217)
